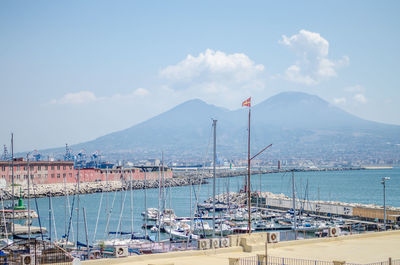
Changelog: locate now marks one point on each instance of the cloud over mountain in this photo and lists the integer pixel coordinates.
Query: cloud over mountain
(312, 65)
(215, 74)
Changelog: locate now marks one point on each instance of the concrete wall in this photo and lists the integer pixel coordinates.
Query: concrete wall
(312, 206)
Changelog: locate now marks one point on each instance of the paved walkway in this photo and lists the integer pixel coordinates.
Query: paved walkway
(367, 248)
(375, 247)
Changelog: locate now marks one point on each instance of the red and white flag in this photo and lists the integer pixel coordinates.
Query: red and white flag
(247, 102)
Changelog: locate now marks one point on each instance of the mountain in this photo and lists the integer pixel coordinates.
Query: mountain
(299, 125)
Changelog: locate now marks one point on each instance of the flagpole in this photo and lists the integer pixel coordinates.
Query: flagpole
(249, 174)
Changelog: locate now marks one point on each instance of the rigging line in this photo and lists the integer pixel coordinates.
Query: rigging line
(195, 206)
(70, 216)
(54, 221)
(37, 210)
(69, 210)
(120, 216)
(4, 218)
(108, 216)
(201, 219)
(98, 216)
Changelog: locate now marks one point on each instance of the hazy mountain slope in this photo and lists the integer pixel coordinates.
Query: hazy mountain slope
(298, 124)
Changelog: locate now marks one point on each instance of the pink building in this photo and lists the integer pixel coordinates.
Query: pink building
(41, 172)
(48, 172)
(116, 174)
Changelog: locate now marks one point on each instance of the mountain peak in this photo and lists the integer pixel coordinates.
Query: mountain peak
(295, 97)
(296, 122)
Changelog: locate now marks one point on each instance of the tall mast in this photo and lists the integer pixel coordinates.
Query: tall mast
(131, 195)
(214, 177)
(164, 199)
(294, 206)
(77, 209)
(29, 199)
(12, 183)
(145, 202)
(249, 174)
(159, 202)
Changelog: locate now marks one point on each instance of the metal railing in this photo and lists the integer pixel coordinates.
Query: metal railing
(28, 252)
(260, 260)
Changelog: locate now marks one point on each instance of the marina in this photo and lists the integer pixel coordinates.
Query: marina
(111, 211)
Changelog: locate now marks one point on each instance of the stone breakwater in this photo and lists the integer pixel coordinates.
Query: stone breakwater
(181, 178)
(223, 173)
(45, 190)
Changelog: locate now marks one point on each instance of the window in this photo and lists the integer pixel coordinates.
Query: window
(64, 175)
(52, 175)
(64, 168)
(70, 175)
(3, 168)
(52, 167)
(39, 176)
(46, 167)
(70, 167)
(39, 168)
(32, 168)
(58, 167)
(58, 176)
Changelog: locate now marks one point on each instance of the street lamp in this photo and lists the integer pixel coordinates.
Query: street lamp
(384, 200)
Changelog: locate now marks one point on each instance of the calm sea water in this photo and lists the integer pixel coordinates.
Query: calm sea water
(358, 186)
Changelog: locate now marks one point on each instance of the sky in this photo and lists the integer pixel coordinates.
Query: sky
(72, 71)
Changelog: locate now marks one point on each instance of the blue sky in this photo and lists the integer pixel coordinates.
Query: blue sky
(75, 70)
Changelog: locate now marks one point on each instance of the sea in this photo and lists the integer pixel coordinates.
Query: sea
(114, 208)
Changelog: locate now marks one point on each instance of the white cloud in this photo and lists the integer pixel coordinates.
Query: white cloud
(214, 64)
(312, 65)
(215, 76)
(141, 92)
(355, 95)
(80, 97)
(360, 98)
(84, 97)
(354, 89)
(293, 73)
(340, 101)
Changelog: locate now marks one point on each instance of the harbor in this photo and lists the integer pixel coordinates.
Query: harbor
(113, 217)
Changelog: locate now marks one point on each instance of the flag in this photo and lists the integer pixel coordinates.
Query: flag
(247, 102)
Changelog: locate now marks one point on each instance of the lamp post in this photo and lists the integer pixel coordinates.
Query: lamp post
(384, 200)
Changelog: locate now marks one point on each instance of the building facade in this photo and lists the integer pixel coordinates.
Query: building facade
(52, 172)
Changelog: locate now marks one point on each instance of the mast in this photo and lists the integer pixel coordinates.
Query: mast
(214, 159)
(145, 203)
(77, 209)
(12, 184)
(86, 231)
(247, 187)
(294, 206)
(249, 174)
(159, 203)
(163, 181)
(29, 198)
(65, 207)
(131, 197)
(50, 218)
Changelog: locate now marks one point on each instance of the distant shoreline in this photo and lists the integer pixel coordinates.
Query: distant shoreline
(181, 178)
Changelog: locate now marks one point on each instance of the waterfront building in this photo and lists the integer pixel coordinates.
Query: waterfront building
(50, 172)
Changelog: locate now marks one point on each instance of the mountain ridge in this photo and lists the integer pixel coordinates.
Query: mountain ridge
(299, 125)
